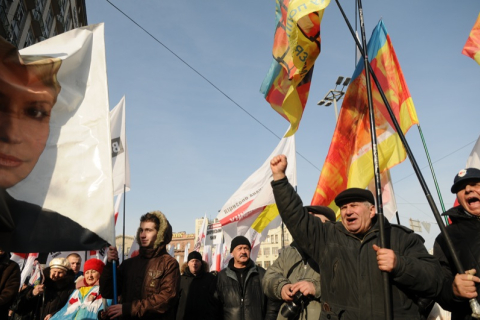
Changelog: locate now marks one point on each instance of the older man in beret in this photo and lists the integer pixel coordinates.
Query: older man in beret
(350, 258)
(464, 232)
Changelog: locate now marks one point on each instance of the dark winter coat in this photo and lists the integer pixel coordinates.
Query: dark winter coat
(148, 283)
(9, 283)
(351, 281)
(196, 298)
(247, 304)
(465, 235)
(54, 297)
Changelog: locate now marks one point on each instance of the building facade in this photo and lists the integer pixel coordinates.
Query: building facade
(271, 247)
(180, 240)
(25, 22)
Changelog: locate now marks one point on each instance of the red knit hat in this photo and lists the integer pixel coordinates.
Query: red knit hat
(94, 264)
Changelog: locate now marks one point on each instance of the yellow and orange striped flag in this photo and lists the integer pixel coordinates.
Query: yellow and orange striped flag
(472, 47)
(349, 161)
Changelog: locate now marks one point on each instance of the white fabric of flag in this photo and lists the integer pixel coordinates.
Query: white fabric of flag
(120, 164)
(185, 254)
(474, 158)
(171, 251)
(251, 211)
(388, 196)
(117, 206)
(207, 255)
(73, 175)
(201, 234)
(134, 249)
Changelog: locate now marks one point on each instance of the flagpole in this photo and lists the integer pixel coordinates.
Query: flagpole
(433, 172)
(475, 306)
(387, 288)
(123, 241)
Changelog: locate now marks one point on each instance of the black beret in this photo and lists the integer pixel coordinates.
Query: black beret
(194, 255)
(238, 240)
(354, 195)
(464, 175)
(326, 211)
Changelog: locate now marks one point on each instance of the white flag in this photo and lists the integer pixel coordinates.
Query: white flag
(117, 206)
(388, 196)
(171, 251)
(251, 211)
(201, 234)
(134, 249)
(207, 255)
(474, 158)
(217, 258)
(120, 164)
(69, 188)
(185, 254)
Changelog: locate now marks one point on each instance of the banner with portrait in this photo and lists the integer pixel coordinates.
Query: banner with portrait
(56, 191)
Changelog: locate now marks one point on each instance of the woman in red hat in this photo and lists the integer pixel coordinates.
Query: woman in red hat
(85, 302)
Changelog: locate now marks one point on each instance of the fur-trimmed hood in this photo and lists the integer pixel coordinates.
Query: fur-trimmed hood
(164, 234)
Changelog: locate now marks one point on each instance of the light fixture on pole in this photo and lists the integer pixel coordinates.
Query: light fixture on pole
(335, 95)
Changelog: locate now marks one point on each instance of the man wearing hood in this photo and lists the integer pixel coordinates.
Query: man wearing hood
(148, 283)
(464, 232)
(197, 289)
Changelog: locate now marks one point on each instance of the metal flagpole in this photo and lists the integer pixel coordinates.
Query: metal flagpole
(387, 288)
(123, 241)
(433, 172)
(473, 302)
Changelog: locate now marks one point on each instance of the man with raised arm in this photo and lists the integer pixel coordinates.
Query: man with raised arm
(350, 258)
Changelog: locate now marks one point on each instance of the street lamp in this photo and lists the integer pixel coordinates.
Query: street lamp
(335, 95)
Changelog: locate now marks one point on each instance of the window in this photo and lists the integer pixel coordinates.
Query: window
(276, 238)
(266, 251)
(178, 246)
(267, 264)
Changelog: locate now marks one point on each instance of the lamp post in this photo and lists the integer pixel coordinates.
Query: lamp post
(335, 95)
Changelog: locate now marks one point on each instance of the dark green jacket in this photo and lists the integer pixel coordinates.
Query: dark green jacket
(350, 279)
(293, 266)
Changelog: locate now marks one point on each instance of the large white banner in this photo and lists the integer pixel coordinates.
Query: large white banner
(121, 166)
(251, 211)
(56, 190)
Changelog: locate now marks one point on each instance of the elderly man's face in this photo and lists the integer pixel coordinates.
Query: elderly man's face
(241, 255)
(357, 216)
(469, 197)
(24, 126)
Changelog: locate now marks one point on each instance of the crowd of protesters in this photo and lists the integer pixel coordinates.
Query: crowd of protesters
(332, 270)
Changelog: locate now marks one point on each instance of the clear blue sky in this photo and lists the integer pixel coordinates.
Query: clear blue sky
(191, 147)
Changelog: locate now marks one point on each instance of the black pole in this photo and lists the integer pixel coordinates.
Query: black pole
(420, 177)
(398, 218)
(123, 243)
(387, 288)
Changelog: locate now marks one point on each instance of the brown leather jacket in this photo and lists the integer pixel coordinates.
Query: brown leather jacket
(148, 283)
